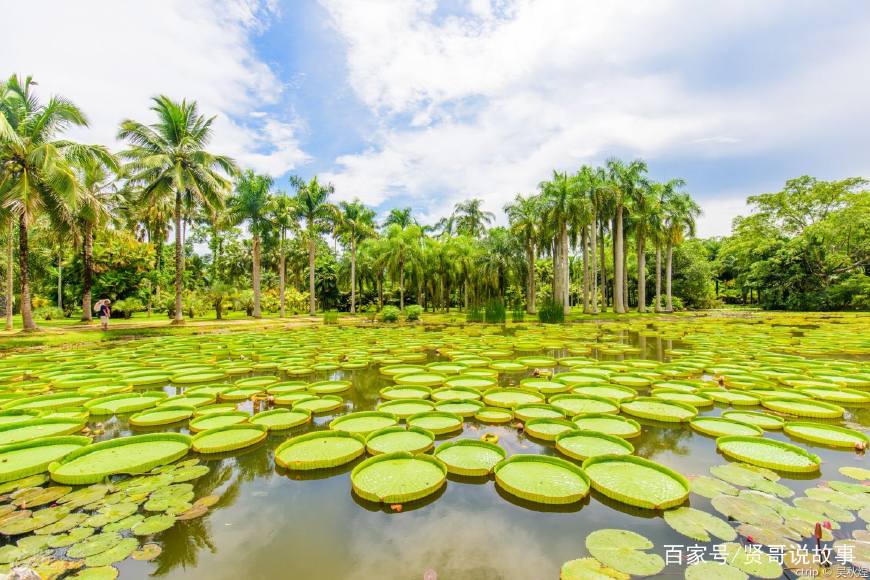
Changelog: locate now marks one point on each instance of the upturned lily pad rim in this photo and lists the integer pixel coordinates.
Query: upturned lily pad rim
(144, 402)
(792, 428)
(443, 414)
(334, 386)
(97, 477)
(139, 419)
(814, 459)
(75, 425)
(825, 410)
(611, 416)
(196, 441)
(281, 411)
(765, 416)
(335, 424)
(542, 406)
(500, 410)
(627, 408)
(632, 500)
(531, 427)
(473, 402)
(575, 397)
(327, 463)
(697, 425)
(487, 396)
(336, 399)
(458, 470)
(399, 429)
(12, 475)
(587, 433)
(387, 392)
(543, 498)
(193, 424)
(401, 497)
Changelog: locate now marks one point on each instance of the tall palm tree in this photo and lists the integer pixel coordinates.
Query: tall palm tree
(524, 215)
(98, 198)
(643, 203)
(401, 217)
(403, 251)
(681, 211)
(8, 223)
(313, 207)
(561, 202)
(251, 204)
(36, 167)
(470, 218)
(282, 213)
(169, 159)
(625, 179)
(355, 222)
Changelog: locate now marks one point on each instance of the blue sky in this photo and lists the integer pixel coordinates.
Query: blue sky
(425, 103)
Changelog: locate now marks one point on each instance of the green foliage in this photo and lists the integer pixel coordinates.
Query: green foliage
(390, 314)
(551, 312)
(518, 314)
(49, 313)
(330, 317)
(474, 314)
(125, 307)
(413, 312)
(495, 312)
(693, 276)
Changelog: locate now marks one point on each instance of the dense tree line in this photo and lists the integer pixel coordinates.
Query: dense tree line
(79, 220)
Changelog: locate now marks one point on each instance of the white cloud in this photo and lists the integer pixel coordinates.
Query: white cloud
(110, 57)
(719, 213)
(487, 103)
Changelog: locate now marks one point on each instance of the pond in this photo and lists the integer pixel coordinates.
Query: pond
(260, 520)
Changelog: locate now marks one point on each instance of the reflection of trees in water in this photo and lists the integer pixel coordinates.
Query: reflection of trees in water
(656, 440)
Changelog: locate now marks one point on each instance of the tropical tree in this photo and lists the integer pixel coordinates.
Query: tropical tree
(401, 217)
(680, 211)
(251, 204)
(313, 208)
(470, 219)
(7, 222)
(354, 223)
(402, 251)
(282, 214)
(524, 215)
(561, 202)
(625, 179)
(169, 159)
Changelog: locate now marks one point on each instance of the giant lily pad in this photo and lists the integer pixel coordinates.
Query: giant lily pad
(769, 453)
(136, 454)
(542, 479)
(37, 429)
(659, 410)
(625, 551)
(320, 450)
(404, 408)
(396, 438)
(636, 481)
(281, 419)
(494, 415)
(764, 420)
(509, 398)
(755, 563)
(463, 408)
(547, 429)
(717, 427)
(363, 422)
(579, 404)
(825, 434)
(398, 477)
(161, 416)
(579, 444)
(470, 457)
(329, 387)
(324, 404)
(804, 408)
(711, 570)
(438, 422)
(124, 403)
(608, 424)
(216, 420)
(228, 438)
(31, 457)
(589, 569)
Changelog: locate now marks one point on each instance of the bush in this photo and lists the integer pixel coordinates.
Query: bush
(49, 313)
(551, 313)
(330, 317)
(474, 315)
(495, 312)
(518, 315)
(126, 307)
(413, 312)
(390, 314)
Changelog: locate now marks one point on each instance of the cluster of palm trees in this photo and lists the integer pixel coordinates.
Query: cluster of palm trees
(166, 178)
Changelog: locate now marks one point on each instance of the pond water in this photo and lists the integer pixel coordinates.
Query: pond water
(273, 523)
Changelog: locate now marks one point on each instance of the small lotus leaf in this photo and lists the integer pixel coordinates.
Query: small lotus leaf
(111, 513)
(99, 573)
(589, 569)
(153, 525)
(37, 519)
(84, 496)
(189, 473)
(116, 553)
(193, 513)
(767, 535)
(124, 524)
(744, 510)
(710, 487)
(833, 512)
(94, 545)
(708, 570)
(147, 552)
(74, 536)
(754, 562)
(66, 523)
(624, 550)
(25, 482)
(859, 473)
(698, 525)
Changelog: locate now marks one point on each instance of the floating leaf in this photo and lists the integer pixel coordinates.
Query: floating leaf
(624, 551)
(207, 500)
(37, 519)
(42, 497)
(398, 477)
(153, 525)
(193, 513)
(124, 524)
(709, 487)
(859, 473)
(94, 545)
(116, 553)
(84, 496)
(636, 481)
(147, 552)
(68, 522)
(744, 510)
(74, 536)
(769, 535)
(769, 453)
(838, 498)
(708, 570)
(111, 513)
(698, 525)
(100, 573)
(470, 457)
(755, 563)
(189, 473)
(589, 569)
(826, 508)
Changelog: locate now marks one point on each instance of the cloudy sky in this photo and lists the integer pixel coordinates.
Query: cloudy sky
(424, 103)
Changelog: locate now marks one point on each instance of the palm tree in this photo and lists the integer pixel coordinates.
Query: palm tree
(169, 159)
(469, 219)
(680, 214)
(282, 213)
(97, 200)
(625, 179)
(643, 202)
(355, 222)
(36, 168)
(251, 204)
(8, 221)
(313, 207)
(524, 215)
(402, 252)
(561, 202)
(401, 217)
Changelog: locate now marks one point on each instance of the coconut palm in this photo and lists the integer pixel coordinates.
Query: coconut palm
(313, 208)
(282, 213)
(524, 215)
(680, 211)
(355, 222)
(625, 179)
(470, 219)
(36, 167)
(168, 159)
(402, 252)
(561, 201)
(251, 204)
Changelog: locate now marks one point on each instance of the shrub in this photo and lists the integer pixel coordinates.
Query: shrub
(551, 313)
(330, 317)
(49, 313)
(390, 314)
(518, 315)
(413, 312)
(126, 307)
(474, 315)
(495, 312)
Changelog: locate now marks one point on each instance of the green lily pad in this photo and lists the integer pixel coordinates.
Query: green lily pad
(116, 553)
(463, 408)
(396, 438)
(717, 427)
(709, 570)
(124, 403)
(94, 545)
(636, 481)
(124, 523)
(608, 424)
(31, 457)
(769, 453)
(859, 473)
(217, 420)
(147, 553)
(579, 444)
(659, 410)
(579, 404)
(99, 573)
(766, 421)
(470, 457)
(320, 450)
(825, 434)
(804, 408)
(363, 422)
(542, 479)
(404, 408)
(699, 525)
(624, 551)
(710, 487)
(398, 477)
(510, 398)
(589, 569)
(756, 563)
(228, 438)
(161, 416)
(744, 510)
(281, 419)
(494, 415)
(153, 525)
(25, 431)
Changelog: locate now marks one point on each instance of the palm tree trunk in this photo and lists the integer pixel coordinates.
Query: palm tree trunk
(618, 251)
(658, 305)
(593, 264)
(530, 282)
(380, 282)
(557, 274)
(669, 276)
(87, 272)
(625, 289)
(603, 266)
(465, 292)
(255, 275)
(566, 270)
(312, 304)
(641, 273)
(179, 261)
(24, 275)
(584, 242)
(353, 275)
(402, 287)
(282, 276)
(60, 280)
(10, 274)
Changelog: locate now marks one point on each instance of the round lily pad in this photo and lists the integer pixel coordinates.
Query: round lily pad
(153, 525)
(329, 387)
(240, 393)
(405, 392)
(455, 393)
(31, 457)
(805, 408)
(320, 450)
(324, 404)
(509, 398)
(764, 420)
(579, 404)
(709, 569)
(699, 525)
(470, 457)
(609, 424)
(768, 453)
(538, 411)
(398, 477)
(197, 377)
(547, 429)
(579, 444)
(710, 487)
(659, 410)
(363, 422)
(624, 551)
(281, 419)
(825, 434)
(589, 569)
(463, 408)
(494, 415)
(216, 420)
(161, 416)
(438, 422)
(422, 379)
(136, 454)
(228, 438)
(716, 427)
(542, 479)
(612, 392)
(37, 429)
(392, 439)
(758, 564)
(636, 481)
(404, 408)
(124, 403)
